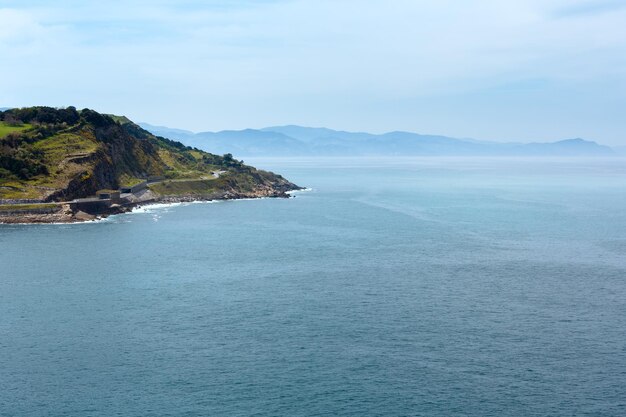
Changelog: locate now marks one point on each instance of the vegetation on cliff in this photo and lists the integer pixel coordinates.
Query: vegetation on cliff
(59, 154)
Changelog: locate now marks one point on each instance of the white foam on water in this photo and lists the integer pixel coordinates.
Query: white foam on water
(151, 208)
(304, 190)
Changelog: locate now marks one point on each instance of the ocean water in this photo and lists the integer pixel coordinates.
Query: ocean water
(395, 287)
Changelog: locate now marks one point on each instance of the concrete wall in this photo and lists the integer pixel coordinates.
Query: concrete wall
(21, 201)
(135, 188)
(43, 210)
(90, 205)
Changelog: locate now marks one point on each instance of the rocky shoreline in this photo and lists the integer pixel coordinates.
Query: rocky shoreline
(66, 215)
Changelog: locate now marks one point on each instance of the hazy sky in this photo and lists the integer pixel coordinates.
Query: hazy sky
(488, 69)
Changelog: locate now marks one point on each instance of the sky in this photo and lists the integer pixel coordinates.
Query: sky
(514, 70)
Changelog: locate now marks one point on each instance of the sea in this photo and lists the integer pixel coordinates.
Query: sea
(390, 287)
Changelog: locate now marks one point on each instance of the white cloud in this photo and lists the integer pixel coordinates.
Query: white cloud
(18, 28)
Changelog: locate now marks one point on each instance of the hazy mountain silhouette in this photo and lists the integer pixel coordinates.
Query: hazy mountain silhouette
(294, 140)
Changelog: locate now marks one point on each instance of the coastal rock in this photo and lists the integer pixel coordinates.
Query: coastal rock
(83, 217)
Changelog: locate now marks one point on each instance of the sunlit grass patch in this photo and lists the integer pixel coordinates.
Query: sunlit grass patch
(5, 128)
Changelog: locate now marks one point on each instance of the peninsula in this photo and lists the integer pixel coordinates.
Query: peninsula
(68, 165)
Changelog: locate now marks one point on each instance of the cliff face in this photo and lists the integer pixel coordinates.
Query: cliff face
(61, 154)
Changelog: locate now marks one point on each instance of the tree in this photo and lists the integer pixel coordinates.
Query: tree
(11, 120)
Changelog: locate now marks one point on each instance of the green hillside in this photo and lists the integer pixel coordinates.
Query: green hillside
(59, 154)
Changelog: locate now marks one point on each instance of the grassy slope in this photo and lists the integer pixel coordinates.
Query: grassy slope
(63, 157)
(70, 154)
(5, 129)
(97, 151)
(185, 187)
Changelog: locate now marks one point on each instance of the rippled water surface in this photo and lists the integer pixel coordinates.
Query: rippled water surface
(393, 288)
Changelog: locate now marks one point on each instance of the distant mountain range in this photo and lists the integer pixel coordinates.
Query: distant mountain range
(302, 141)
